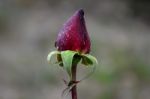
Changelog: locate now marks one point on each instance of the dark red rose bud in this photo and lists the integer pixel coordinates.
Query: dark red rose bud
(74, 36)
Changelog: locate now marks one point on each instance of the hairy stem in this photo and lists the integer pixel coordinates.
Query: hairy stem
(74, 89)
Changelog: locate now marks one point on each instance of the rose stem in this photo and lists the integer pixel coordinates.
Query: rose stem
(74, 89)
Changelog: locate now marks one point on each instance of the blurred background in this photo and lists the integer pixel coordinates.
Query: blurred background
(120, 35)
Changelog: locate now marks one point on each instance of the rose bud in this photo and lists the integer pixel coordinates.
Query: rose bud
(74, 36)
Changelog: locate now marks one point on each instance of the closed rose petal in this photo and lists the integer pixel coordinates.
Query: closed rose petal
(73, 35)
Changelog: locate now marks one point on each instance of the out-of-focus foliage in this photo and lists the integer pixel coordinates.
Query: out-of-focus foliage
(119, 30)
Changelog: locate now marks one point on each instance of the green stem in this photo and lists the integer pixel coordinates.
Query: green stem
(74, 89)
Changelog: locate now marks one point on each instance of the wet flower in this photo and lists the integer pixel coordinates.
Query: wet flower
(74, 36)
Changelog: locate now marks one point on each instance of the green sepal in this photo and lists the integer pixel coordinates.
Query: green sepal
(59, 60)
(76, 59)
(67, 59)
(49, 57)
(88, 59)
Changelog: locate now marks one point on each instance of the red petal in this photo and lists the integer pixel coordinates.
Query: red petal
(74, 36)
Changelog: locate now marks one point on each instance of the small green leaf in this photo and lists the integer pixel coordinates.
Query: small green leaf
(52, 54)
(88, 59)
(67, 58)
